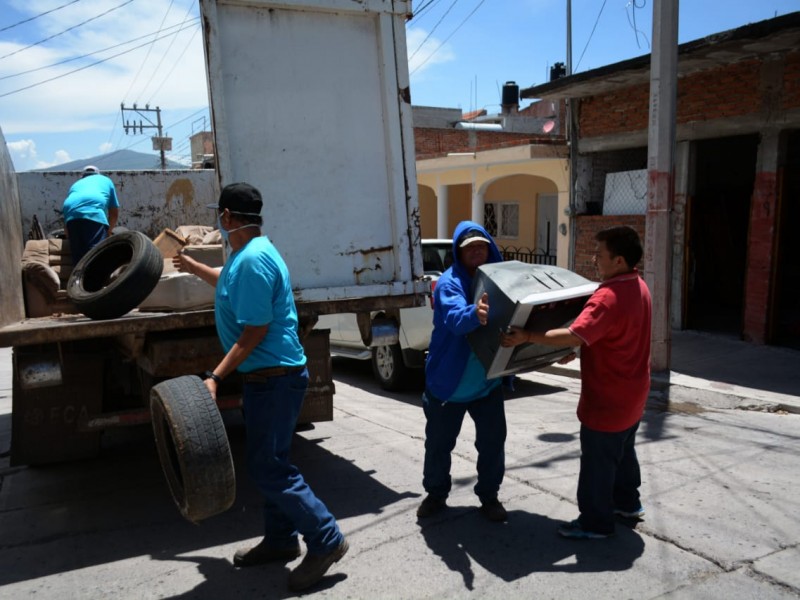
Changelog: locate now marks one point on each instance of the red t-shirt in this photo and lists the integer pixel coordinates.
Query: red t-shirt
(615, 355)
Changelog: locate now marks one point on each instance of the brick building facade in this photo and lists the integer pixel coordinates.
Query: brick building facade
(735, 256)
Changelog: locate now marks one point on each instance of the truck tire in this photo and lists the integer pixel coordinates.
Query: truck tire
(115, 276)
(193, 447)
(388, 367)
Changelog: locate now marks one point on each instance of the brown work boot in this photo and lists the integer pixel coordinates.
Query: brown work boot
(314, 566)
(263, 553)
(494, 511)
(431, 506)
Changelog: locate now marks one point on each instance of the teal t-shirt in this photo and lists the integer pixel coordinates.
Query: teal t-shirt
(473, 383)
(254, 288)
(90, 198)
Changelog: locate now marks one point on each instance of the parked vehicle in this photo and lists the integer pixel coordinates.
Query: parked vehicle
(398, 340)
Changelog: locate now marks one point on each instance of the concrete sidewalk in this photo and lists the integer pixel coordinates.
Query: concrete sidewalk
(726, 372)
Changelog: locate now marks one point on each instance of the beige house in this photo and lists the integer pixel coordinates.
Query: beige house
(520, 194)
(509, 172)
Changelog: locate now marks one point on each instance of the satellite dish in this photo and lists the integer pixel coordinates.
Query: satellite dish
(548, 126)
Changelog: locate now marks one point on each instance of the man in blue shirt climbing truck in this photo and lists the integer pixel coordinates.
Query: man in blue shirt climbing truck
(90, 210)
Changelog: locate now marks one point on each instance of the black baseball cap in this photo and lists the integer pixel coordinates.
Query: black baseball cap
(240, 198)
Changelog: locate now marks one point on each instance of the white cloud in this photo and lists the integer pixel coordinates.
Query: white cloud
(425, 52)
(22, 149)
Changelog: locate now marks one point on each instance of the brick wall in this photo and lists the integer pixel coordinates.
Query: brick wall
(431, 142)
(727, 91)
(791, 81)
(586, 227)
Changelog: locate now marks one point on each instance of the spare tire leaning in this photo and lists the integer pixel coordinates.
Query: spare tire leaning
(193, 447)
(115, 276)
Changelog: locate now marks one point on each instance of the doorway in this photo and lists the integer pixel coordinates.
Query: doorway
(785, 323)
(718, 217)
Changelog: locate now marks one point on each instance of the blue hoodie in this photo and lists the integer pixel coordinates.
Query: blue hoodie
(454, 316)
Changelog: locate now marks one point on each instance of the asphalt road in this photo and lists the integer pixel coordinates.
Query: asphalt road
(721, 489)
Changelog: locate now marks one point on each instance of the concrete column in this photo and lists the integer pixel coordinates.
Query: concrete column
(761, 238)
(683, 190)
(660, 173)
(477, 202)
(442, 204)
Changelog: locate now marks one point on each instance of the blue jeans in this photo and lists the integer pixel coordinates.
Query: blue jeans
(290, 507)
(609, 477)
(83, 235)
(443, 425)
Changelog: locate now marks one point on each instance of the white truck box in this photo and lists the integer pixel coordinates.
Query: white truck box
(310, 104)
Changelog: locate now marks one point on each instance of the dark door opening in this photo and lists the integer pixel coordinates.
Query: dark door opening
(785, 324)
(719, 214)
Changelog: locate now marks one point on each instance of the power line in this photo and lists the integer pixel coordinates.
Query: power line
(33, 85)
(149, 50)
(448, 37)
(596, 21)
(166, 52)
(449, 8)
(61, 62)
(33, 18)
(55, 35)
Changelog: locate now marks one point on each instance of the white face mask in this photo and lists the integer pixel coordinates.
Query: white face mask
(226, 232)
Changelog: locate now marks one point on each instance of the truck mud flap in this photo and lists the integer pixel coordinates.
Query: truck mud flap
(193, 447)
(115, 276)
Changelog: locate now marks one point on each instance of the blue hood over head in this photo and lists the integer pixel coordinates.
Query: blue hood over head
(465, 227)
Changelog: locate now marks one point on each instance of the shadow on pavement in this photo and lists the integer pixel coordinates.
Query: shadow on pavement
(528, 544)
(71, 516)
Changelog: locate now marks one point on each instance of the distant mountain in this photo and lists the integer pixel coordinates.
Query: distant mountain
(119, 160)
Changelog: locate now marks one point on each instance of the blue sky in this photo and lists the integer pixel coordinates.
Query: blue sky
(57, 105)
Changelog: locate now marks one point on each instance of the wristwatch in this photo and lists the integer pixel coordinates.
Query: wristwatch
(211, 375)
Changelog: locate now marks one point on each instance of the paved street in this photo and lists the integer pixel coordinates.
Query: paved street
(721, 489)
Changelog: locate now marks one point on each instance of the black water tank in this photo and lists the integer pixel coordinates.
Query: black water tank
(557, 71)
(510, 93)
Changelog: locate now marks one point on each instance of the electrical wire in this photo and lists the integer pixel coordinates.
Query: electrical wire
(98, 62)
(632, 21)
(33, 18)
(448, 37)
(449, 8)
(149, 50)
(55, 35)
(164, 55)
(61, 62)
(596, 21)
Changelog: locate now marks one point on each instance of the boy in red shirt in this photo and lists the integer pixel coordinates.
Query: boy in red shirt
(613, 331)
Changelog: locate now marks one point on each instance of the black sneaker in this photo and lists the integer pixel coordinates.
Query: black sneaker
(494, 511)
(430, 506)
(263, 553)
(314, 566)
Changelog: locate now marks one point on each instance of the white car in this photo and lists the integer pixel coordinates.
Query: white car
(391, 360)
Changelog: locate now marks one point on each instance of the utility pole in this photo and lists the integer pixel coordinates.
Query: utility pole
(661, 176)
(160, 143)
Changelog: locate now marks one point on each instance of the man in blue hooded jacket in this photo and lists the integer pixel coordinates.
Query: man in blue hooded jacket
(456, 381)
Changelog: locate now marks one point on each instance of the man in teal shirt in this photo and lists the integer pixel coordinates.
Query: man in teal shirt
(90, 210)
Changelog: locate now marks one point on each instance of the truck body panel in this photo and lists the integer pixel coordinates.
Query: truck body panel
(310, 105)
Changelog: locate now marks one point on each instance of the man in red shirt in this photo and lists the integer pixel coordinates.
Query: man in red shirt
(613, 332)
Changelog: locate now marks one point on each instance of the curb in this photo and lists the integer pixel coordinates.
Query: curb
(744, 398)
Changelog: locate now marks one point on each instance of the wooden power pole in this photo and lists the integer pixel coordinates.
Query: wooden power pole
(160, 143)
